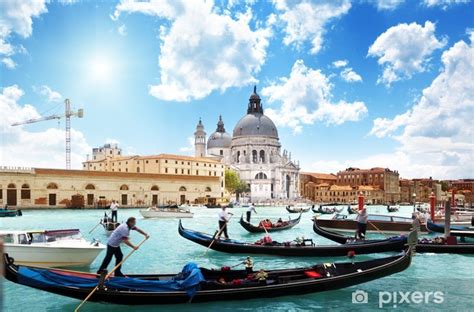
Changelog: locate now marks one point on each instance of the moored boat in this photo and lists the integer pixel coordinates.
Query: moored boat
(424, 245)
(58, 248)
(153, 212)
(276, 226)
(10, 213)
(298, 208)
(326, 209)
(297, 248)
(461, 231)
(195, 284)
(376, 223)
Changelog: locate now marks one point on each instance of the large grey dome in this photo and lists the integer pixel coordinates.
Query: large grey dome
(255, 124)
(219, 140)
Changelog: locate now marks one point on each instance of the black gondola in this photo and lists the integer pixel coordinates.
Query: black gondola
(351, 210)
(295, 209)
(423, 245)
(302, 249)
(326, 210)
(392, 208)
(108, 224)
(286, 282)
(258, 229)
(460, 231)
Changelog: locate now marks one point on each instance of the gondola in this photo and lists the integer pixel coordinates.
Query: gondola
(297, 209)
(257, 229)
(10, 213)
(108, 224)
(326, 210)
(305, 248)
(423, 246)
(376, 223)
(392, 208)
(461, 231)
(351, 210)
(195, 284)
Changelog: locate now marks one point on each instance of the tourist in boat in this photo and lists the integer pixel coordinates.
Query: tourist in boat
(224, 217)
(248, 265)
(114, 208)
(361, 219)
(118, 236)
(249, 212)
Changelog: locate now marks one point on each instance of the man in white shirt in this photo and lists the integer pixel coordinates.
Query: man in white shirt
(249, 212)
(114, 207)
(224, 217)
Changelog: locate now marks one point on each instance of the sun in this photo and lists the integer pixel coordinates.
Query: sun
(101, 69)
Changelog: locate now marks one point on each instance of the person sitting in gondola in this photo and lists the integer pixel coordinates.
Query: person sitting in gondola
(248, 265)
(267, 240)
(279, 223)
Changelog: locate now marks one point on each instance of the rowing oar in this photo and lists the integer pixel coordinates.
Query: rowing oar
(95, 227)
(217, 234)
(109, 274)
(377, 229)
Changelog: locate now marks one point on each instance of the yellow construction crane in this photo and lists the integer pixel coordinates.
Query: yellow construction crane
(67, 114)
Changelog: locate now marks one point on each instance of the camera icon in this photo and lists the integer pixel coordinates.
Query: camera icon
(360, 296)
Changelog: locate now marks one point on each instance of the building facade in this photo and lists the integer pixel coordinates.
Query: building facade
(382, 178)
(419, 190)
(254, 151)
(346, 194)
(56, 188)
(166, 164)
(309, 180)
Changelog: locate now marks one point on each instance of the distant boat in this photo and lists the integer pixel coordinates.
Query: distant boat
(57, 248)
(10, 213)
(393, 208)
(298, 208)
(179, 212)
(108, 224)
(284, 225)
(461, 231)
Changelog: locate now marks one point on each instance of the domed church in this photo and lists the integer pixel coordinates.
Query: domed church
(254, 151)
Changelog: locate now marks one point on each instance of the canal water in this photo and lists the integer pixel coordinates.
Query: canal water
(432, 283)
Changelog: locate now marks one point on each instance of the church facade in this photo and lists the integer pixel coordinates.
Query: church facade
(254, 152)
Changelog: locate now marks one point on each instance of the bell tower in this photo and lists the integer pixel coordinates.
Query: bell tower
(255, 105)
(200, 140)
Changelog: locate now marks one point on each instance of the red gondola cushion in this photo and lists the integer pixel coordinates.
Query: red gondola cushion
(312, 274)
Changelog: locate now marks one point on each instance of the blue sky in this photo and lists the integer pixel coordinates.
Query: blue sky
(144, 72)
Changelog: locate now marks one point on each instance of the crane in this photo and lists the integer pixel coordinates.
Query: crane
(68, 113)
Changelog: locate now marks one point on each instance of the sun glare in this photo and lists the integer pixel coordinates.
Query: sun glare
(101, 69)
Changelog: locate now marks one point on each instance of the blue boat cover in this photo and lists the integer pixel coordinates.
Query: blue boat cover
(188, 280)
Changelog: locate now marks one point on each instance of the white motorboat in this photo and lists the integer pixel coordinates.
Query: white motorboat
(154, 212)
(58, 248)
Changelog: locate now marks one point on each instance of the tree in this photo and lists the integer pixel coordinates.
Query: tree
(234, 185)
(241, 188)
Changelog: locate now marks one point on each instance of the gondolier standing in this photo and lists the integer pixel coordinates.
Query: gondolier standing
(249, 212)
(114, 208)
(361, 219)
(224, 217)
(120, 235)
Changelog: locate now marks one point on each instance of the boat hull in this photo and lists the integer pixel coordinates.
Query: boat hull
(256, 229)
(52, 256)
(345, 225)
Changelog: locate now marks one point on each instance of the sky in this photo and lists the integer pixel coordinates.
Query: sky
(376, 83)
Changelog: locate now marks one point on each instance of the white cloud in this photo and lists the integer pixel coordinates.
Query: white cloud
(436, 134)
(202, 51)
(45, 148)
(340, 63)
(112, 141)
(190, 147)
(122, 30)
(349, 75)
(306, 20)
(388, 4)
(404, 50)
(9, 63)
(17, 18)
(48, 93)
(306, 97)
(444, 4)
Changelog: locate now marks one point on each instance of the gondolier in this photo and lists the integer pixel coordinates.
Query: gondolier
(114, 208)
(361, 219)
(224, 217)
(249, 212)
(120, 235)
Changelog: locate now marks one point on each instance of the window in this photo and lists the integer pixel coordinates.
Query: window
(25, 191)
(254, 156)
(138, 162)
(51, 186)
(176, 170)
(182, 171)
(260, 176)
(166, 170)
(126, 169)
(138, 169)
(210, 173)
(166, 161)
(197, 164)
(208, 189)
(197, 172)
(176, 162)
(110, 152)
(262, 156)
(238, 157)
(182, 163)
(155, 188)
(124, 187)
(182, 189)
(90, 187)
(156, 161)
(146, 161)
(189, 171)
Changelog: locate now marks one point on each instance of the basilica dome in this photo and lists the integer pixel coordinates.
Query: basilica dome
(220, 138)
(255, 123)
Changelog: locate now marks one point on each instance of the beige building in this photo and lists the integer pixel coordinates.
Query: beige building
(109, 158)
(327, 193)
(23, 187)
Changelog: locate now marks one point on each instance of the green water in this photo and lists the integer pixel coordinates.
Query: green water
(167, 252)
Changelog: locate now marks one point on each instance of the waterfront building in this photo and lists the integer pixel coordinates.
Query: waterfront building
(57, 188)
(382, 178)
(419, 190)
(254, 151)
(309, 180)
(346, 194)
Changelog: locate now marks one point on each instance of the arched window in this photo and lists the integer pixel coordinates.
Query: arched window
(155, 188)
(52, 186)
(11, 186)
(262, 156)
(90, 187)
(254, 156)
(208, 189)
(124, 187)
(25, 191)
(261, 176)
(182, 189)
(238, 157)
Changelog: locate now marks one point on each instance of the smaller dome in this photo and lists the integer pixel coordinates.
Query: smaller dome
(219, 140)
